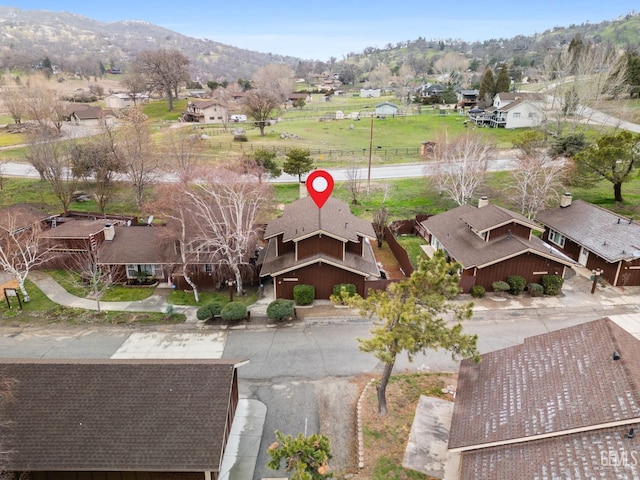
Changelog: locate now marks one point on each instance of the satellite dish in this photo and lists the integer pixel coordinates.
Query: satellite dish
(636, 254)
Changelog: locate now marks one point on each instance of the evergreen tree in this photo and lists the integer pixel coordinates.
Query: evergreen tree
(298, 162)
(487, 87)
(503, 82)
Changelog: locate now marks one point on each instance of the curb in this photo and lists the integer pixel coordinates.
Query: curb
(359, 423)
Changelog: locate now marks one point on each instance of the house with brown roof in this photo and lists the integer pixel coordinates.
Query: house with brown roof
(120, 419)
(322, 247)
(492, 243)
(23, 216)
(564, 404)
(87, 115)
(596, 238)
(205, 111)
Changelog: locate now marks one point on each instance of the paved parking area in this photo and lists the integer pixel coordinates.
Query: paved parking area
(172, 345)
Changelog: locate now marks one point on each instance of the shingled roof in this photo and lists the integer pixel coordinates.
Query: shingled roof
(455, 229)
(600, 231)
(139, 245)
(550, 405)
(117, 415)
(303, 218)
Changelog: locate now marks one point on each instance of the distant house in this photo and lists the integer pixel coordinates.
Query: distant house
(467, 98)
(118, 101)
(320, 247)
(370, 92)
(87, 115)
(118, 419)
(492, 243)
(205, 111)
(511, 110)
(595, 238)
(430, 91)
(387, 109)
(564, 404)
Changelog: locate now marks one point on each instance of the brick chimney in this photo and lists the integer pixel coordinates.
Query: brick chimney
(565, 201)
(483, 202)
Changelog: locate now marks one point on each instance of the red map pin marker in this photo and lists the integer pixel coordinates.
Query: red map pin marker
(319, 186)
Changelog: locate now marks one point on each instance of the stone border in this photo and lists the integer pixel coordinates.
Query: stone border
(359, 424)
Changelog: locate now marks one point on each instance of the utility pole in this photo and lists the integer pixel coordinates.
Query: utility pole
(370, 152)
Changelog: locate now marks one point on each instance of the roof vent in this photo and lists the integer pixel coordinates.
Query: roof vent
(616, 356)
(630, 434)
(565, 201)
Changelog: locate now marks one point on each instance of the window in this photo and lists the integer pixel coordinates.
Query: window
(516, 114)
(135, 271)
(556, 237)
(532, 115)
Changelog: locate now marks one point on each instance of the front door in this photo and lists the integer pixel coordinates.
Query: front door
(584, 256)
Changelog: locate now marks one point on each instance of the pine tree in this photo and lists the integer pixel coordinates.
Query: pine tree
(487, 87)
(503, 82)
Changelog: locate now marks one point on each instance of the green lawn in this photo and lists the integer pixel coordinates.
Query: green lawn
(179, 297)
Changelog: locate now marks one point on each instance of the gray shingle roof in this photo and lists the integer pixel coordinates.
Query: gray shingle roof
(76, 229)
(553, 383)
(113, 415)
(452, 230)
(303, 218)
(600, 231)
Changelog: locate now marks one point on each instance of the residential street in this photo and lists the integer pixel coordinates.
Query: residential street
(300, 368)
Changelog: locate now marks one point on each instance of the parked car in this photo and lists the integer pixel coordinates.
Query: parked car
(238, 118)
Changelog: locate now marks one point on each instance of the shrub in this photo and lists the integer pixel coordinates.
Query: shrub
(516, 284)
(341, 292)
(208, 311)
(304, 294)
(478, 291)
(552, 284)
(536, 290)
(234, 311)
(240, 137)
(500, 286)
(280, 309)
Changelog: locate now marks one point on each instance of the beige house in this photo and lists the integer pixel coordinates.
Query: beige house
(118, 101)
(206, 111)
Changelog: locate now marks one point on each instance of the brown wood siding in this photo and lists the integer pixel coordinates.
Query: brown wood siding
(609, 270)
(571, 249)
(320, 245)
(354, 247)
(516, 230)
(322, 276)
(629, 276)
(528, 265)
(120, 475)
(284, 248)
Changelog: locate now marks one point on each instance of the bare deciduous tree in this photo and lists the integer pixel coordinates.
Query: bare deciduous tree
(164, 70)
(276, 79)
(135, 85)
(354, 180)
(185, 150)
(136, 153)
(50, 158)
(260, 105)
(226, 207)
(537, 178)
(21, 251)
(459, 166)
(450, 66)
(98, 278)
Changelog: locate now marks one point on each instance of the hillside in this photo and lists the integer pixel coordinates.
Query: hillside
(77, 43)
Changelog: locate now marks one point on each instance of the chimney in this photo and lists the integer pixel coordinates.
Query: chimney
(565, 201)
(109, 231)
(483, 202)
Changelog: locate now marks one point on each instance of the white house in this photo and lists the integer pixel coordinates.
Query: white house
(386, 108)
(511, 110)
(119, 101)
(369, 92)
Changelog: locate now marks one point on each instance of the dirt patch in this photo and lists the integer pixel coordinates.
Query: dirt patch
(385, 437)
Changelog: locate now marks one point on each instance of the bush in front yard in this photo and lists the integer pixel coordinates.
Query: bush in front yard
(536, 290)
(478, 291)
(280, 309)
(234, 311)
(341, 292)
(500, 286)
(208, 311)
(552, 284)
(304, 294)
(516, 284)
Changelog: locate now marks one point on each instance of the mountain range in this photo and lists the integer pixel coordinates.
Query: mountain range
(77, 43)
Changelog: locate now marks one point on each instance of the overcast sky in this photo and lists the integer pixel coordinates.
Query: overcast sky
(333, 28)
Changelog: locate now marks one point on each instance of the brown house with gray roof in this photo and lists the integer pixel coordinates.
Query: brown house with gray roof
(492, 243)
(118, 419)
(322, 247)
(560, 405)
(596, 238)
